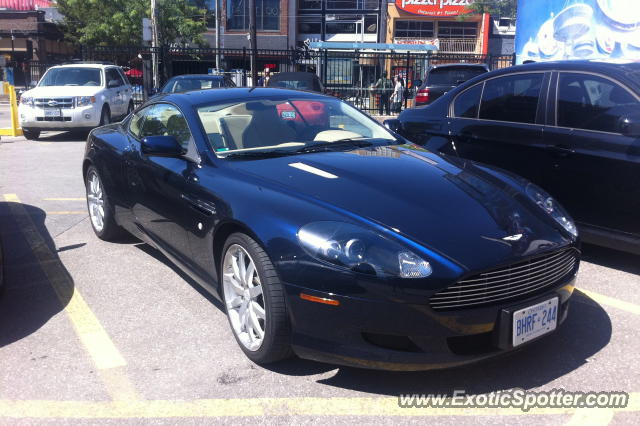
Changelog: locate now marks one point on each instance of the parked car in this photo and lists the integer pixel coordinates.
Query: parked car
(442, 78)
(331, 237)
(184, 83)
(572, 127)
(76, 96)
(296, 80)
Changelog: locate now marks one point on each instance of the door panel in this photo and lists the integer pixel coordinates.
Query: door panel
(595, 169)
(508, 129)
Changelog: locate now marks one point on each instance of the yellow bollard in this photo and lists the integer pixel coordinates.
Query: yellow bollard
(5, 87)
(15, 129)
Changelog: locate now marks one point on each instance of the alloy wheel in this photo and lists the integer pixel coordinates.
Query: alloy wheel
(243, 297)
(95, 201)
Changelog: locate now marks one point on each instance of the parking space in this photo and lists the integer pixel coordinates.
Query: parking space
(90, 329)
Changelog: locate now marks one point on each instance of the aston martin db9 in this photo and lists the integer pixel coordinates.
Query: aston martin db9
(328, 236)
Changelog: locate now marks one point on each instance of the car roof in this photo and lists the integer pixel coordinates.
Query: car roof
(576, 65)
(83, 65)
(200, 76)
(198, 97)
(458, 64)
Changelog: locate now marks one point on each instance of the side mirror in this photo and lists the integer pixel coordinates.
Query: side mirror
(163, 146)
(630, 125)
(392, 124)
(113, 83)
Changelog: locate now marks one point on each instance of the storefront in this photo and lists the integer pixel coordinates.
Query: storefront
(443, 23)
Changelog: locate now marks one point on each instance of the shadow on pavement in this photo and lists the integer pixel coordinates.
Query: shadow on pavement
(610, 258)
(29, 299)
(68, 136)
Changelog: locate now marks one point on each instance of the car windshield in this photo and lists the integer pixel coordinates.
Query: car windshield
(186, 84)
(284, 126)
(452, 76)
(71, 77)
(293, 84)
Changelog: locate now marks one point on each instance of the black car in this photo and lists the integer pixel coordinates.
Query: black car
(573, 127)
(328, 236)
(296, 80)
(184, 83)
(442, 78)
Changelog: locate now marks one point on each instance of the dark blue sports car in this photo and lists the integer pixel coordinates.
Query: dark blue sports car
(328, 236)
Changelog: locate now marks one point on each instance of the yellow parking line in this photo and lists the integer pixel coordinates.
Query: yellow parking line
(591, 417)
(259, 407)
(65, 199)
(89, 330)
(65, 212)
(610, 301)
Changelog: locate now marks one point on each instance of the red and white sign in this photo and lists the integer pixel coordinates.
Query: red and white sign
(434, 7)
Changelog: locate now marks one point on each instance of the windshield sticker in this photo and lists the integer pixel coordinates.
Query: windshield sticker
(288, 115)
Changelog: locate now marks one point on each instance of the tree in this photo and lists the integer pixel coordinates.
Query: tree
(498, 8)
(119, 22)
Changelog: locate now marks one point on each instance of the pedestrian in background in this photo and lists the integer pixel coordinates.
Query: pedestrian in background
(398, 95)
(383, 88)
(264, 80)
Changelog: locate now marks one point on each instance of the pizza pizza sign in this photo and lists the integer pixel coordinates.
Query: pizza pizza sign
(434, 7)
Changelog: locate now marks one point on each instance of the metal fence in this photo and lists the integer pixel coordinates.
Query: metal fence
(348, 75)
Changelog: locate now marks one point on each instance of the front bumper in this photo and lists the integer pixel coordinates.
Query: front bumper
(401, 336)
(71, 118)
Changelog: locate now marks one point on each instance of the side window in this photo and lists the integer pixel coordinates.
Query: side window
(590, 102)
(112, 74)
(511, 98)
(467, 103)
(167, 120)
(123, 77)
(135, 124)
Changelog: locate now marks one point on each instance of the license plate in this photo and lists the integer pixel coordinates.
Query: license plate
(52, 113)
(534, 321)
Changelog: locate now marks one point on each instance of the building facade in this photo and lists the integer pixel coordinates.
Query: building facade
(444, 23)
(340, 20)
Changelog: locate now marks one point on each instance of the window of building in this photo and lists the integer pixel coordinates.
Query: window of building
(511, 98)
(267, 15)
(342, 28)
(466, 104)
(414, 29)
(342, 4)
(452, 29)
(590, 102)
(309, 4)
(309, 27)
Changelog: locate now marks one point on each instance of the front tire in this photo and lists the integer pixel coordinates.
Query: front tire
(30, 134)
(254, 300)
(130, 109)
(105, 116)
(100, 209)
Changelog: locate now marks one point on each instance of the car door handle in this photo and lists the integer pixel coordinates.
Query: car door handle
(560, 150)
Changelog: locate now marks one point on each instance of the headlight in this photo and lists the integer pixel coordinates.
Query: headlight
(26, 100)
(551, 206)
(361, 250)
(85, 100)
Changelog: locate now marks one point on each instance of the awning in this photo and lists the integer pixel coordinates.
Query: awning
(24, 4)
(371, 46)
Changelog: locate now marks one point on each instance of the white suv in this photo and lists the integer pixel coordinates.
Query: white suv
(77, 96)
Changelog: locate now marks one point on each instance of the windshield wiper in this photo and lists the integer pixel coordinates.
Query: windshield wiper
(331, 146)
(259, 154)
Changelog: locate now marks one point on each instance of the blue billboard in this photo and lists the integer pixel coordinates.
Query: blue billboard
(549, 30)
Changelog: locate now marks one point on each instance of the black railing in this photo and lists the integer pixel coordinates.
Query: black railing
(348, 75)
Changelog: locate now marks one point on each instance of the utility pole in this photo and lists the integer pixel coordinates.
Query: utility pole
(217, 17)
(154, 44)
(253, 42)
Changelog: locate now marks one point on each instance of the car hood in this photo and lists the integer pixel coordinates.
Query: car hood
(450, 206)
(62, 91)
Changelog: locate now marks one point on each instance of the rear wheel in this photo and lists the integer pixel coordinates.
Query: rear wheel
(31, 134)
(100, 210)
(254, 301)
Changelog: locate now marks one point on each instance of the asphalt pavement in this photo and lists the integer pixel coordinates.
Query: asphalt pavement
(93, 331)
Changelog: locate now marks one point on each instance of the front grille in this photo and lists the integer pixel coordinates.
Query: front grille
(64, 103)
(53, 118)
(509, 283)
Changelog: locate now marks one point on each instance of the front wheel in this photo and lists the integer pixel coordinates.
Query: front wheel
(130, 109)
(254, 301)
(31, 134)
(100, 210)
(105, 116)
